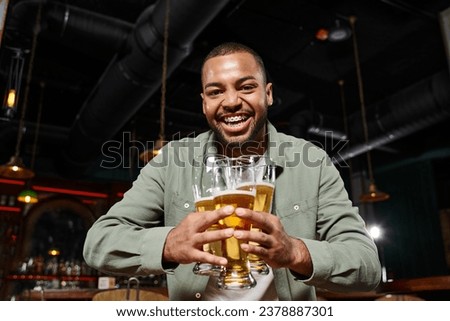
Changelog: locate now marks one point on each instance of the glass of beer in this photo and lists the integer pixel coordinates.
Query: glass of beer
(202, 178)
(265, 186)
(234, 185)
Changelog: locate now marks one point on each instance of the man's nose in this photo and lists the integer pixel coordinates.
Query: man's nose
(231, 100)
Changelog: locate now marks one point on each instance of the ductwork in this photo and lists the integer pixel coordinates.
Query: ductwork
(132, 77)
(419, 106)
(308, 122)
(89, 32)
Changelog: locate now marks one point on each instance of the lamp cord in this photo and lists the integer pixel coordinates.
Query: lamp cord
(164, 73)
(361, 97)
(28, 80)
(344, 116)
(38, 125)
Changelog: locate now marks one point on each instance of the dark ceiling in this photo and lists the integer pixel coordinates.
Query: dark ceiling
(100, 62)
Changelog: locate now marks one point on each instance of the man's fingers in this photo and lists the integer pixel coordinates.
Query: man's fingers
(215, 235)
(209, 218)
(206, 257)
(259, 220)
(262, 239)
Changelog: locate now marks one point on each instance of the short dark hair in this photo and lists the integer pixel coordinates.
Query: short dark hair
(233, 47)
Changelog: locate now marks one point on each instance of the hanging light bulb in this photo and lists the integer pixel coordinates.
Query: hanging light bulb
(374, 195)
(339, 32)
(15, 168)
(13, 85)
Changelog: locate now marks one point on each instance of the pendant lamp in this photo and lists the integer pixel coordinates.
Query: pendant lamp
(13, 85)
(15, 168)
(373, 195)
(28, 195)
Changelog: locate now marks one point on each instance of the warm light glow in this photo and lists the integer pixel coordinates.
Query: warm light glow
(322, 34)
(374, 195)
(28, 196)
(15, 169)
(375, 232)
(54, 252)
(148, 154)
(11, 99)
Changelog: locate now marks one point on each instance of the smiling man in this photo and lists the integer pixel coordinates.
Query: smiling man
(314, 237)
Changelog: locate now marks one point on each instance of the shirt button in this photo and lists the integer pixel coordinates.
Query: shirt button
(296, 207)
(186, 205)
(198, 295)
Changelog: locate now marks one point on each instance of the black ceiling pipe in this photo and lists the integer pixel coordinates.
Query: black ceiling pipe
(417, 107)
(307, 122)
(89, 32)
(133, 76)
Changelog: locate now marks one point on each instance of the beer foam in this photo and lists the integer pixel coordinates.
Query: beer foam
(236, 191)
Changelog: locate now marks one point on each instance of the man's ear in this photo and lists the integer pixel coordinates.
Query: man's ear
(203, 103)
(269, 93)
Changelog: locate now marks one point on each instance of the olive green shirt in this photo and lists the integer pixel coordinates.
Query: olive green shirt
(310, 200)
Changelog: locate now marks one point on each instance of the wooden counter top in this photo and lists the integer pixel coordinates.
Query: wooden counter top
(70, 294)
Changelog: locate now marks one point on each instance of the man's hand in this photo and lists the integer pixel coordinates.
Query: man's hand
(274, 245)
(184, 243)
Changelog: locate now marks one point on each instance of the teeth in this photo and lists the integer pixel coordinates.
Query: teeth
(235, 119)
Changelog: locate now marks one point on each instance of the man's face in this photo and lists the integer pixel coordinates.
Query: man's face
(235, 98)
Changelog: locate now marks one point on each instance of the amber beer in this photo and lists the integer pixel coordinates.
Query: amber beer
(264, 197)
(237, 266)
(263, 203)
(207, 204)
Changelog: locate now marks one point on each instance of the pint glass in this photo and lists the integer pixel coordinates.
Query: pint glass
(231, 176)
(202, 186)
(265, 186)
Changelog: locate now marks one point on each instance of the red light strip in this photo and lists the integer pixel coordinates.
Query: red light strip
(11, 182)
(69, 191)
(9, 209)
(90, 202)
(55, 189)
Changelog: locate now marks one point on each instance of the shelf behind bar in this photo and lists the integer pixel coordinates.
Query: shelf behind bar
(34, 277)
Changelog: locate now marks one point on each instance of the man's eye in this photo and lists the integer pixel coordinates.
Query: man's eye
(247, 87)
(214, 92)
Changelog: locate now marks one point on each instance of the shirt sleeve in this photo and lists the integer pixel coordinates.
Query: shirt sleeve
(129, 239)
(344, 255)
